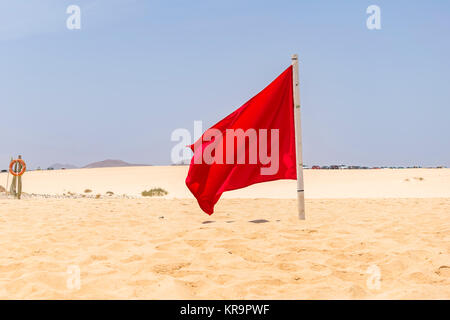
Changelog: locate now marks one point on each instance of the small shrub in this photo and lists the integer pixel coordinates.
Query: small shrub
(110, 193)
(155, 192)
(98, 196)
(87, 191)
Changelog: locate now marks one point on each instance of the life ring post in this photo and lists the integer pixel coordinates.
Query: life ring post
(13, 167)
(17, 168)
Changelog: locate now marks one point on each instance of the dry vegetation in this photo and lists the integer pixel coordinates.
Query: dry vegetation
(154, 192)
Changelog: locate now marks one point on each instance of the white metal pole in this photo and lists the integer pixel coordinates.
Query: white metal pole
(298, 139)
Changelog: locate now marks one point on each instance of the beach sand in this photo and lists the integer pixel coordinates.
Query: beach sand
(319, 184)
(390, 240)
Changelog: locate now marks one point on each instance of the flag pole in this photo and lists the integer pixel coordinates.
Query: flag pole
(298, 139)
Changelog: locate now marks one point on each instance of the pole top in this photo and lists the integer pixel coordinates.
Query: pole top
(295, 57)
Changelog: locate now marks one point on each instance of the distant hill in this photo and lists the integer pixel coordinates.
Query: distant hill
(112, 163)
(58, 166)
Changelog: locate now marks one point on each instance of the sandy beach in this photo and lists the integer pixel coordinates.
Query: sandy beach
(379, 234)
(320, 184)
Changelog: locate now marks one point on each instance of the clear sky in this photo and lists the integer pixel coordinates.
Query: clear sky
(137, 70)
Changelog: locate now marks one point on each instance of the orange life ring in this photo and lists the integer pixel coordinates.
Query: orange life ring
(11, 165)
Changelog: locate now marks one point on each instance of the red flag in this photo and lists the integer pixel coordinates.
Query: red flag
(255, 143)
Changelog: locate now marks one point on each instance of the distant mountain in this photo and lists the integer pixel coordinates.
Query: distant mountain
(58, 166)
(112, 163)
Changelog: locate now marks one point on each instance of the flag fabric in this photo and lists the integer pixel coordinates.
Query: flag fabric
(224, 157)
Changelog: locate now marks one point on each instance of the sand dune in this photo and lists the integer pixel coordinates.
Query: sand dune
(384, 183)
(382, 245)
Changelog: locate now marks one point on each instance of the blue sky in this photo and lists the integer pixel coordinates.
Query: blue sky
(137, 70)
